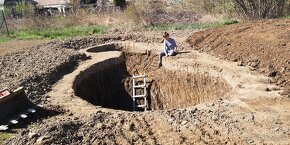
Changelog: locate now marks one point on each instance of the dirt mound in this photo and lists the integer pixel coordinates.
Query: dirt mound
(262, 45)
(117, 128)
(39, 65)
(36, 69)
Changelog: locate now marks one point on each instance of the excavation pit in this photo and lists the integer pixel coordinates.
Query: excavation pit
(109, 84)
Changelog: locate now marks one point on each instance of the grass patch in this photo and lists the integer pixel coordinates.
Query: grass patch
(4, 136)
(52, 33)
(285, 17)
(192, 26)
(57, 33)
(229, 22)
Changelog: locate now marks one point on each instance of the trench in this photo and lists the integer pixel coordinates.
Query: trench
(110, 86)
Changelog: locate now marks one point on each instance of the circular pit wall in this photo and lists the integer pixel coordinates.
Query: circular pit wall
(108, 84)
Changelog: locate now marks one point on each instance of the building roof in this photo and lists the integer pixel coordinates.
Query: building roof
(51, 2)
(15, 1)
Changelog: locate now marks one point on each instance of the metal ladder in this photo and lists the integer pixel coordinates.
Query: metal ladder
(143, 96)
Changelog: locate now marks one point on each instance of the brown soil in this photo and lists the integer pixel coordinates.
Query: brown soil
(14, 46)
(111, 87)
(105, 88)
(263, 46)
(173, 89)
(251, 112)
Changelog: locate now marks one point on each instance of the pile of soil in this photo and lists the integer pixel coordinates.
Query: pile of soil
(262, 45)
(134, 128)
(88, 41)
(16, 45)
(37, 69)
(37, 66)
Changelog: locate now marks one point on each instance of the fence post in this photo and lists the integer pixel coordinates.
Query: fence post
(4, 21)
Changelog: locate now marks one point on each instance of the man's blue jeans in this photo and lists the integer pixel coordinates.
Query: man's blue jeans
(162, 54)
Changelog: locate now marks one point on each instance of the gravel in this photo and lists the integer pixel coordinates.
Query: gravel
(37, 69)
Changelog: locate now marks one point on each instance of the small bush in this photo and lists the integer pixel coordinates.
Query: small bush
(143, 12)
(260, 9)
(25, 9)
(207, 6)
(229, 22)
(192, 26)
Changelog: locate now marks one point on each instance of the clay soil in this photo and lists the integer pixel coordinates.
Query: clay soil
(250, 112)
(165, 89)
(14, 46)
(263, 46)
(172, 89)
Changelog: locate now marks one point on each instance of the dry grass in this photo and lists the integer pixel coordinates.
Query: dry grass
(4, 136)
(139, 16)
(209, 18)
(141, 12)
(224, 7)
(260, 9)
(80, 19)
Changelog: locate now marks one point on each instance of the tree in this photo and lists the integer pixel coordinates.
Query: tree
(260, 9)
(24, 9)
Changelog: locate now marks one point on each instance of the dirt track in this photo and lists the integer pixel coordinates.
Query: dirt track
(251, 112)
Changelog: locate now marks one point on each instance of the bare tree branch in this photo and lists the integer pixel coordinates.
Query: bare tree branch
(260, 9)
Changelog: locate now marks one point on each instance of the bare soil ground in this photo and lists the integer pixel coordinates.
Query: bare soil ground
(250, 111)
(262, 45)
(247, 114)
(14, 46)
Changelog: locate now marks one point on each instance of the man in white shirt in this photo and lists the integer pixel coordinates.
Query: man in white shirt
(169, 48)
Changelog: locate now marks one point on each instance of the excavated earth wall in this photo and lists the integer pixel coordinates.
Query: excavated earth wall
(110, 85)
